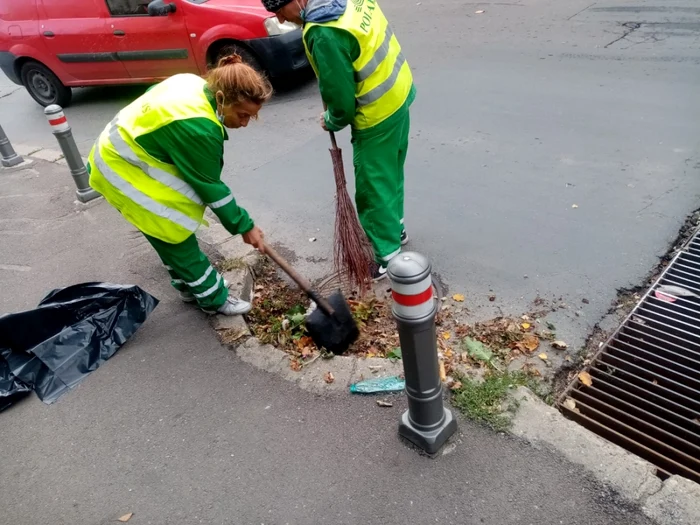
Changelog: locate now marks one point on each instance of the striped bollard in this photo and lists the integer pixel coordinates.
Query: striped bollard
(10, 159)
(427, 423)
(64, 136)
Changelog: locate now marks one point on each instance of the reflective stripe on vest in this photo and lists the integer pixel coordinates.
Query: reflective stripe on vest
(141, 198)
(383, 79)
(150, 193)
(169, 180)
(376, 93)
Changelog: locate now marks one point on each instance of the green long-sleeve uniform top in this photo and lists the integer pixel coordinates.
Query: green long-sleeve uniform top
(196, 147)
(334, 50)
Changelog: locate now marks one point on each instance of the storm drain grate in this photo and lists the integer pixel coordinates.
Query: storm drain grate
(643, 392)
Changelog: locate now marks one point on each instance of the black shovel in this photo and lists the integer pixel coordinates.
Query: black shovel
(330, 325)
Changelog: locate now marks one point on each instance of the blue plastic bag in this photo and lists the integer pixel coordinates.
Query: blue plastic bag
(378, 385)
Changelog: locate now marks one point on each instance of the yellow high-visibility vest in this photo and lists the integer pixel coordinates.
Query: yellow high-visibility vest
(151, 194)
(383, 78)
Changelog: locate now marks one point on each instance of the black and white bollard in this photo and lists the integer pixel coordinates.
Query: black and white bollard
(427, 423)
(64, 136)
(7, 152)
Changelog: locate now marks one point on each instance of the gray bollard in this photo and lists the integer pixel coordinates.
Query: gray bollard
(9, 156)
(427, 423)
(64, 136)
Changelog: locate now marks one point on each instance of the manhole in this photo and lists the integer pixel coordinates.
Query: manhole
(643, 392)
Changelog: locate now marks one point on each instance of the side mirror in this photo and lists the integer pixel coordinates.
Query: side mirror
(160, 8)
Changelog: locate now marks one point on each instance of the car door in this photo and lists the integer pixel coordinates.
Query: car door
(75, 33)
(151, 47)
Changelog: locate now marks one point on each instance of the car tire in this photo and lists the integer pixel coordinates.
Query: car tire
(44, 86)
(248, 57)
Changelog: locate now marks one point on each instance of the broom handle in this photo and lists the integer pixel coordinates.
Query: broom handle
(334, 144)
(302, 282)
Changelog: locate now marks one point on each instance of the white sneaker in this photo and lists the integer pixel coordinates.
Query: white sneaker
(233, 306)
(188, 297)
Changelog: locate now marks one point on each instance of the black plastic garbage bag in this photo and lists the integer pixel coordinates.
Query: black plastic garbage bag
(11, 390)
(72, 332)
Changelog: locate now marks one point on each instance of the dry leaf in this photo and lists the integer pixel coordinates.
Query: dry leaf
(456, 386)
(443, 374)
(526, 326)
(543, 357)
(531, 342)
(560, 345)
(446, 335)
(329, 377)
(126, 517)
(571, 405)
(458, 297)
(585, 378)
(656, 382)
(295, 365)
(387, 404)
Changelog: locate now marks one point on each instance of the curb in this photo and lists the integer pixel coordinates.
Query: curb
(51, 155)
(234, 332)
(675, 501)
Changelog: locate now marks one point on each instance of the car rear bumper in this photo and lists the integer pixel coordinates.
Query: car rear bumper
(280, 55)
(7, 66)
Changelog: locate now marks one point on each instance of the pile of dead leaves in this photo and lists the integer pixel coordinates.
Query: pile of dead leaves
(280, 311)
(279, 315)
(492, 344)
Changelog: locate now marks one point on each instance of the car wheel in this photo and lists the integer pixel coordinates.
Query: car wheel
(248, 57)
(44, 86)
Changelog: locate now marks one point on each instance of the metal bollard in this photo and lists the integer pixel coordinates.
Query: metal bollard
(427, 423)
(9, 156)
(64, 136)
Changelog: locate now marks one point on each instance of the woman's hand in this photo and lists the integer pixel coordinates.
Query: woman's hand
(255, 238)
(323, 121)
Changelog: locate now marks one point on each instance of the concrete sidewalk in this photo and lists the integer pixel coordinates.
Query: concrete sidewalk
(178, 430)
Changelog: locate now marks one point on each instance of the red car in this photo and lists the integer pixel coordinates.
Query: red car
(50, 46)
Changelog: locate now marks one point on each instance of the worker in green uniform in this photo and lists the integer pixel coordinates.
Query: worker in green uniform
(367, 84)
(159, 163)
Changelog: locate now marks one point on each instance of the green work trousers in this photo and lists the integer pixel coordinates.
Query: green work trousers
(191, 271)
(379, 154)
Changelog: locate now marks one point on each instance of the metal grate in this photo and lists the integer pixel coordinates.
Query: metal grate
(645, 381)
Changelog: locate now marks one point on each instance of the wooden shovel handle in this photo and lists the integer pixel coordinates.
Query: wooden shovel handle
(302, 282)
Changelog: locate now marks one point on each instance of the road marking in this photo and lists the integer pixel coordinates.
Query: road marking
(15, 267)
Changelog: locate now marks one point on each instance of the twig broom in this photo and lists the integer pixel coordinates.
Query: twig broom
(352, 252)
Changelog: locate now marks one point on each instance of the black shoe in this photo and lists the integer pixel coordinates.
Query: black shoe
(378, 272)
(404, 238)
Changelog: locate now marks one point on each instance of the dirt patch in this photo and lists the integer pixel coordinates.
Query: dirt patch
(464, 349)
(280, 310)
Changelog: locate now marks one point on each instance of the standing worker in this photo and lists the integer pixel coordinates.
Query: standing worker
(159, 163)
(366, 83)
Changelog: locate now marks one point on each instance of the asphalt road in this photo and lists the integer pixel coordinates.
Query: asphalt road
(523, 112)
